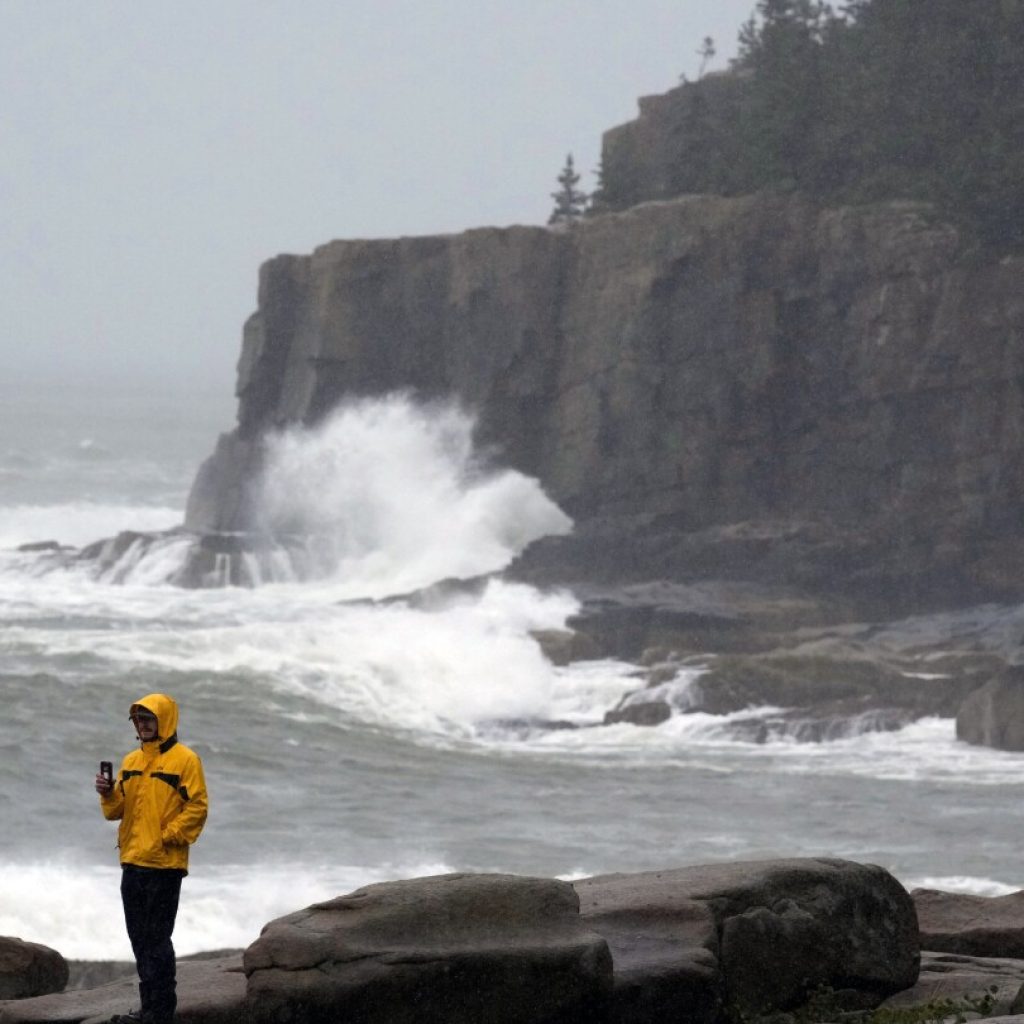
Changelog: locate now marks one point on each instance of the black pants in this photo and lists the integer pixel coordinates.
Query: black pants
(150, 898)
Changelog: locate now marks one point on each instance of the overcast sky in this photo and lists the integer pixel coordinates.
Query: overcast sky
(152, 155)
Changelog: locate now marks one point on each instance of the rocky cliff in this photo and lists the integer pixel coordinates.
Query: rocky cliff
(683, 141)
(751, 387)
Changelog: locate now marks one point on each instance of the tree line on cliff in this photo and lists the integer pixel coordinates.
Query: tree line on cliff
(877, 100)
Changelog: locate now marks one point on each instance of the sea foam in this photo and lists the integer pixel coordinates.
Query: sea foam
(965, 884)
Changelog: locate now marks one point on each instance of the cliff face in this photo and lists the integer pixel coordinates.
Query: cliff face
(747, 386)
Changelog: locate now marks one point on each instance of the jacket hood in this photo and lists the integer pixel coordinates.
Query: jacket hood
(166, 711)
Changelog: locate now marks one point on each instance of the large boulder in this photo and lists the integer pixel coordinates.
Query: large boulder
(449, 949)
(971, 925)
(993, 715)
(29, 969)
(209, 992)
(751, 937)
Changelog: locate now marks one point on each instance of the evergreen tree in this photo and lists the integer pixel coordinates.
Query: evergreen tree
(599, 197)
(784, 54)
(706, 52)
(570, 202)
(886, 99)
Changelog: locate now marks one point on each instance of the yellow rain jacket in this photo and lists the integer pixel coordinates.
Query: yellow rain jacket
(159, 795)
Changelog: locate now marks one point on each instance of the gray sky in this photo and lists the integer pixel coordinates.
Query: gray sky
(152, 155)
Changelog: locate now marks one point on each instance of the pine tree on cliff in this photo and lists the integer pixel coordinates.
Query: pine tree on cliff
(600, 201)
(706, 52)
(790, 107)
(570, 202)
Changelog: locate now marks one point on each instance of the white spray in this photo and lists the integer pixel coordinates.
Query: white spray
(390, 496)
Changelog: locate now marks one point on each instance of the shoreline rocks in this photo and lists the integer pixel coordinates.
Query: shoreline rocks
(701, 942)
(826, 673)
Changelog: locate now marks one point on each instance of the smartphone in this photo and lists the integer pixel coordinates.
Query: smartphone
(107, 770)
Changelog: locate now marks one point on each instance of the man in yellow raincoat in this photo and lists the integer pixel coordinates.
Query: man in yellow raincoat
(159, 796)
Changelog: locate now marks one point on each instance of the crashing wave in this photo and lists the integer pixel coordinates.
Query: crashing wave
(385, 495)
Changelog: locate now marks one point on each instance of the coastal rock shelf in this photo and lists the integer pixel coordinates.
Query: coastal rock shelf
(694, 943)
(705, 944)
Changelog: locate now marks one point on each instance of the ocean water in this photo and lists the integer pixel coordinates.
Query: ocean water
(347, 742)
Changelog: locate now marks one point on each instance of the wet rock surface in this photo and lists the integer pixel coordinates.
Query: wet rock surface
(827, 676)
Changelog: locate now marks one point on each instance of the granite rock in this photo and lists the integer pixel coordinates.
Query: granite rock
(981, 926)
(29, 969)
(751, 936)
(699, 943)
(446, 949)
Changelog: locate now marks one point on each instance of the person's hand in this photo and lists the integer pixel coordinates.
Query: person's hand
(104, 786)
